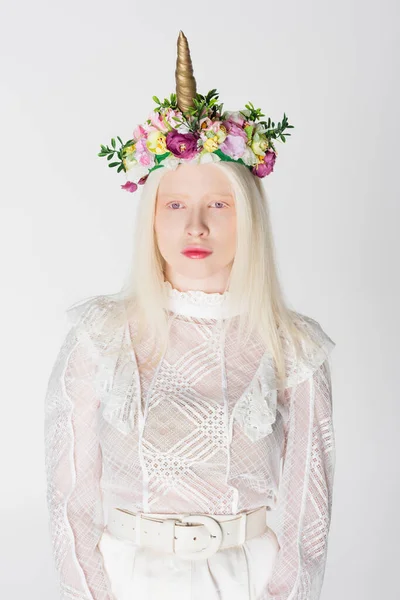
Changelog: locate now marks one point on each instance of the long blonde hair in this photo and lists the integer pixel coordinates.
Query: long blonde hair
(253, 284)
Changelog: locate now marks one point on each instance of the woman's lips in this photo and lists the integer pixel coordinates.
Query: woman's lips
(193, 252)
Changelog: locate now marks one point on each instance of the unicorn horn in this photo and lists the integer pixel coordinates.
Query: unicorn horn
(185, 81)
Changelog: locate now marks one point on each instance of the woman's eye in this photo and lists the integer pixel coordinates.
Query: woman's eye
(175, 205)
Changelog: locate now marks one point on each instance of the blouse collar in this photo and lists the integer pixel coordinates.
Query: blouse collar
(196, 303)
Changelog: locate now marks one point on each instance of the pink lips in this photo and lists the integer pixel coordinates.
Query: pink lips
(196, 252)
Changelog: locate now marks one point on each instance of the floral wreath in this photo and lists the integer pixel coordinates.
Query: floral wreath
(190, 127)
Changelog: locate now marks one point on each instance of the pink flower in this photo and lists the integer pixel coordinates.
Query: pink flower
(138, 132)
(129, 186)
(143, 179)
(156, 122)
(234, 146)
(236, 117)
(205, 124)
(216, 126)
(234, 129)
(267, 166)
(183, 145)
(143, 156)
(168, 116)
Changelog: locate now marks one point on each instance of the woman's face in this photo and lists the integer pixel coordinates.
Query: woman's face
(195, 206)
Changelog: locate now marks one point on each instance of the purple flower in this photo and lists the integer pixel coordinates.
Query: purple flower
(235, 129)
(129, 186)
(143, 179)
(235, 142)
(183, 145)
(236, 117)
(267, 166)
(143, 156)
(234, 146)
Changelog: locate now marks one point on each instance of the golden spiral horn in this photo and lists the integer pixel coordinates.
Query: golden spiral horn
(185, 81)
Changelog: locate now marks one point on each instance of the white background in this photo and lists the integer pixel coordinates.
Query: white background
(73, 75)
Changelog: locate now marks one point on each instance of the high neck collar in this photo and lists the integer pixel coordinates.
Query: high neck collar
(196, 303)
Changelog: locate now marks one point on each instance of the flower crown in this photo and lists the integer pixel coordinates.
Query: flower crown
(190, 127)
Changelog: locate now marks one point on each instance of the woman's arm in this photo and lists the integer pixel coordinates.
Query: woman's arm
(305, 495)
(73, 466)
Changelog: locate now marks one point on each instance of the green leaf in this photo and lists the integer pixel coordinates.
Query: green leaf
(156, 100)
(109, 157)
(160, 157)
(120, 141)
(114, 164)
(249, 130)
(155, 167)
(113, 142)
(121, 166)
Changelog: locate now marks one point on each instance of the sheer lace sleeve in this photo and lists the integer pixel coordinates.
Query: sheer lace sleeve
(305, 493)
(73, 466)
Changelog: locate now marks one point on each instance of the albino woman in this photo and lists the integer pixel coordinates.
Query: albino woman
(191, 410)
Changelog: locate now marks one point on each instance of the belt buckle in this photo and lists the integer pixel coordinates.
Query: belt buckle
(213, 528)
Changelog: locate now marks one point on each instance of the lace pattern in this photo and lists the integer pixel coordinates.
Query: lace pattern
(255, 411)
(206, 431)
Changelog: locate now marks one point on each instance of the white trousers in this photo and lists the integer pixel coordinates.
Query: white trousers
(237, 573)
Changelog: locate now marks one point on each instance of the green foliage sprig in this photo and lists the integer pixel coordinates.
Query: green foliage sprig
(203, 106)
(120, 152)
(272, 132)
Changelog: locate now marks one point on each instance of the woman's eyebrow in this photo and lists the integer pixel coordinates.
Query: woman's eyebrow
(213, 194)
(174, 195)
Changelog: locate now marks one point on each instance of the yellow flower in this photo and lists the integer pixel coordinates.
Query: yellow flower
(211, 144)
(260, 146)
(129, 161)
(128, 156)
(156, 142)
(221, 134)
(129, 149)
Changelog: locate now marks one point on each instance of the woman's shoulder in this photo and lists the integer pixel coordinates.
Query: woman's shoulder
(311, 328)
(314, 345)
(99, 316)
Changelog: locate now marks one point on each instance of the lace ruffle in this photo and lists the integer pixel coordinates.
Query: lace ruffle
(255, 411)
(102, 322)
(313, 355)
(196, 296)
(196, 303)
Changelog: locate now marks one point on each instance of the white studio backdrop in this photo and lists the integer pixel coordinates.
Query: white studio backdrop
(75, 74)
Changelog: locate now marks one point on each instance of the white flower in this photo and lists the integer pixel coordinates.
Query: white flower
(259, 128)
(136, 171)
(182, 128)
(171, 162)
(249, 158)
(235, 116)
(209, 157)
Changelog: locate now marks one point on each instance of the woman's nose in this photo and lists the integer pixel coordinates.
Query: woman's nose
(196, 225)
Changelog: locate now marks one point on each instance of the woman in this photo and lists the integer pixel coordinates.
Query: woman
(183, 409)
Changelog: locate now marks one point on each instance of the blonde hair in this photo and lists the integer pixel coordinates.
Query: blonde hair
(253, 283)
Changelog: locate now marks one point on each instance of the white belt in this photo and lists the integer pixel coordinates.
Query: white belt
(189, 535)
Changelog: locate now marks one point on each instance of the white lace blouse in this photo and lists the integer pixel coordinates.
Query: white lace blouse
(204, 430)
